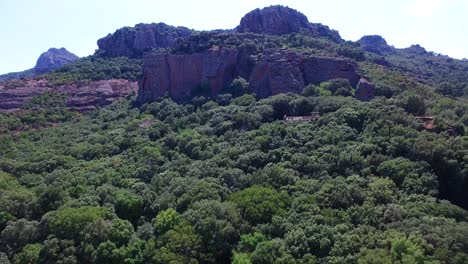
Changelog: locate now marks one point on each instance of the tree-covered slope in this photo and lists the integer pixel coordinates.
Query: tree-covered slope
(228, 179)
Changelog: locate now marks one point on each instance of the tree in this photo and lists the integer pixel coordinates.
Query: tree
(238, 87)
(218, 225)
(241, 258)
(19, 233)
(128, 205)
(381, 190)
(415, 105)
(260, 204)
(29, 254)
(107, 253)
(313, 239)
(272, 251)
(69, 222)
(166, 220)
(249, 242)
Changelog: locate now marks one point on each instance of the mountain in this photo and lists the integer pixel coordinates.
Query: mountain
(273, 142)
(53, 59)
(48, 61)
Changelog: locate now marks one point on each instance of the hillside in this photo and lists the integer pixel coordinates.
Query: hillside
(273, 142)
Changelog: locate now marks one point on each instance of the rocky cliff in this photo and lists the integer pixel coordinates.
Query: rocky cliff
(133, 41)
(277, 71)
(82, 97)
(179, 75)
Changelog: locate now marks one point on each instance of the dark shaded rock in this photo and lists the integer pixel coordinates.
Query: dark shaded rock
(277, 71)
(15, 94)
(53, 59)
(375, 44)
(133, 41)
(364, 90)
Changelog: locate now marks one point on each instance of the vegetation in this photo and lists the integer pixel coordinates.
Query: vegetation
(94, 68)
(227, 180)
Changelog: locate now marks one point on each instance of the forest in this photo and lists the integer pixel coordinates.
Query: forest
(227, 180)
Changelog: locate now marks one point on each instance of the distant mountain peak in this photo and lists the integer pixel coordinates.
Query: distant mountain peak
(52, 59)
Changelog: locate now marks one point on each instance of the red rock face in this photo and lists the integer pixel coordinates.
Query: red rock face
(80, 97)
(179, 75)
(277, 71)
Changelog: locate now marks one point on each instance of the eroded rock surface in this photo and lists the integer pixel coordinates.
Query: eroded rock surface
(15, 94)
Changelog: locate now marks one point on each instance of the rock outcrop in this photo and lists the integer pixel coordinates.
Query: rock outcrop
(133, 41)
(375, 44)
(273, 20)
(277, 71)
(15, 94)
(53, 59)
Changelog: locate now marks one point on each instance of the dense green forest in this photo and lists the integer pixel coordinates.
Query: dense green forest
(226, 179)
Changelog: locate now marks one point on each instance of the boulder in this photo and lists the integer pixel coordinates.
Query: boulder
(364, 90)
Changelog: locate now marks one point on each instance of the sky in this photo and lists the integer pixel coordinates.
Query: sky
(30, 27)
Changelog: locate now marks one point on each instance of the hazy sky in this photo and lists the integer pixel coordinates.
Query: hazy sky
(30, 27)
